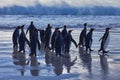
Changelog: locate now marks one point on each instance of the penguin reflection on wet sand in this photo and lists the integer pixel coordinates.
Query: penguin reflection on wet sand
(86, 59)
(22, 40)
(105, 40)
(68, 40)
(67, 62)
(15, 37)
(57, 63)
(83, 36)
(88, 41)
(58, 43)
(34, 66)
(104, 63)
(19, 59)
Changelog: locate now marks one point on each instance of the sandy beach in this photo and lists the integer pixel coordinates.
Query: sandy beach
(13, 65)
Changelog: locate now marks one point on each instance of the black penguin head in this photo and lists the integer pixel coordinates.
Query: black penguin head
(18, 27)
(48, 26)
(107, 29)
(85, 24)
(65, 26)
(22, 26)
(92, 29)
(31, 22)
(70, 31)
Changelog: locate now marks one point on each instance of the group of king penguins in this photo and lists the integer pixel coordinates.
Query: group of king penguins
(60, 41)
(85, 39)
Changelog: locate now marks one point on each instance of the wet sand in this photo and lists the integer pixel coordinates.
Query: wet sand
(75, 66)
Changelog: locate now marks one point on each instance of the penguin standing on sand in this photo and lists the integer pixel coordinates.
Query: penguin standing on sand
(83, 36)
(15, 37)
(64, 33)
(47, 36)
(105, 40)
(34, 43)
(88, 41)
(58, 43)
(22, 40)
(53, 38)
(31, 29)
(68, 40)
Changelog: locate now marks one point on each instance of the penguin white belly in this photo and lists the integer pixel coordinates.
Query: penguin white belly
(106, 42)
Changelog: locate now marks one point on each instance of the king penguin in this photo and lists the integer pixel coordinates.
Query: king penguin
(105, 41)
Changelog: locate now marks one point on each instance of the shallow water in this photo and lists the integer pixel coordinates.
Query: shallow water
(13, 65)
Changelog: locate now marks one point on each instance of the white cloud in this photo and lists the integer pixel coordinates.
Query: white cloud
(75, 3)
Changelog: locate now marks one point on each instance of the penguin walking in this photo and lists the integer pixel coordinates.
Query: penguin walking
(22, 40)
(83, 36)
(105, 40)
(89, 40)
(68, 40)
(15, 37)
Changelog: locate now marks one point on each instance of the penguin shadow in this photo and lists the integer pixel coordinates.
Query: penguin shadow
(34, 66)
(19, 59)
(67, 62)
(104, 64)
(57, 63)
(104, 67)
(86, 59)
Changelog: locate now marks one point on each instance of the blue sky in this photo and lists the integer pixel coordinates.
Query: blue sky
(74, 3)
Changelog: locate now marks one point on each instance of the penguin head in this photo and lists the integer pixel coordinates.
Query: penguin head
(22, 26)
(48, 26)
(107, 29)
(85, 24)
(18, 27)
(92, 29)
(65, 26)
(31, 22)
(70, 31)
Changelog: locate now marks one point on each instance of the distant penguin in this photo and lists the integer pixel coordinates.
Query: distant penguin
(64, 33)
(58, 43)
(105, 41)
(34, 43)
(22, 40)
(53, 38)
(83, 36)
(31, 29)
(68, 40)
(42, 33)
(88, 41)
(47, 36)
(15, 37)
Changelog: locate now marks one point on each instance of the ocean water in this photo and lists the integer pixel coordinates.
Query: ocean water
(72, 21)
